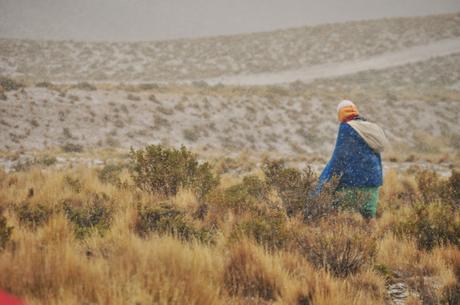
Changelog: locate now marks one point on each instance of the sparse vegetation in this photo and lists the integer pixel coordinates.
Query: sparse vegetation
(237, 239)
(163, 225)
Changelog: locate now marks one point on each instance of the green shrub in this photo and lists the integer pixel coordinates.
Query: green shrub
(5, 232)
(133, 97)
(9, 84)
(34, 215)
(166, 219)
(71, 147)
(191, 134)
(47, 160)
(85, 86)
(292, 185)
(432, 225)
(87, 217)
(74, 183)
(242, 197)
(256, 187)
(340, 244)
(110, 173)
(44, 84)
(157, 169)
(236, 198)
(148, 86)
(268, 230)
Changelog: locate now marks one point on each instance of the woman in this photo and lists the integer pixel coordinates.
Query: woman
(356, 161)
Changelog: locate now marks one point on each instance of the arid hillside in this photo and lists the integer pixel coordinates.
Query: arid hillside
(195, 59)
(263, 93)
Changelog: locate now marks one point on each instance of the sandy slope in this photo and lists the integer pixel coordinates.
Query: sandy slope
(383, 61)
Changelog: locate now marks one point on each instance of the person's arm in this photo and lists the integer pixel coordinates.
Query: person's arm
(327, 173)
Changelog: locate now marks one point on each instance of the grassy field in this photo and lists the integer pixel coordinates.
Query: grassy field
(212, 233)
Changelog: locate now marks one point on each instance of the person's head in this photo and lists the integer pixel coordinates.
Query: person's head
(346, 111)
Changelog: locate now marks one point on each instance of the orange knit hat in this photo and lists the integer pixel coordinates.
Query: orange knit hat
(346, 110)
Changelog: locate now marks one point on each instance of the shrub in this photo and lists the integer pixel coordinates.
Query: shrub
(133, 97)
(9, 84)
(166, 219)
(451, 294)
(340, 244)
(157, 169)
(237, 198)
(453, 188)
(432, 188)
(109, 173)
(429, 186)
(248, 275)
(85, 86)
(74, 183)
(148, 86)
(71, 147)
(153, 98)
(5, 232)
(48, 160)
(164, 110)
(327, 202)
(268, 230)
(191, 134)
(34, 215)
(256, 187)
(44, 84)
(34, 123)
(431, 225)
(93, 215)
(292, 185)
(242, 197)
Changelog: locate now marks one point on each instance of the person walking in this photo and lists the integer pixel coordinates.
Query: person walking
(356, 161)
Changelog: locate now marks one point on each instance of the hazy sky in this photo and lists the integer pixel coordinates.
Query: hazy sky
(155, 19)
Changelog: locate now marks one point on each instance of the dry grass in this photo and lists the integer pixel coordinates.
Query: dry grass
(51, 263)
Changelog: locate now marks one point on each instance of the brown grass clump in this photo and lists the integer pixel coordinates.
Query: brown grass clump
(251, 273)
(342, 245)
(5, 231)
(58, 270)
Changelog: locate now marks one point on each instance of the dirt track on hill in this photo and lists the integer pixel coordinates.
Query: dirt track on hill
(379, 62)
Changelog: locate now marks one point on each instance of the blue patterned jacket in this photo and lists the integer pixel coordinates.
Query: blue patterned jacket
(353, 161)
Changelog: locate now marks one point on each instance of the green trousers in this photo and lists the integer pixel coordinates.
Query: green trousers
(362, 199)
